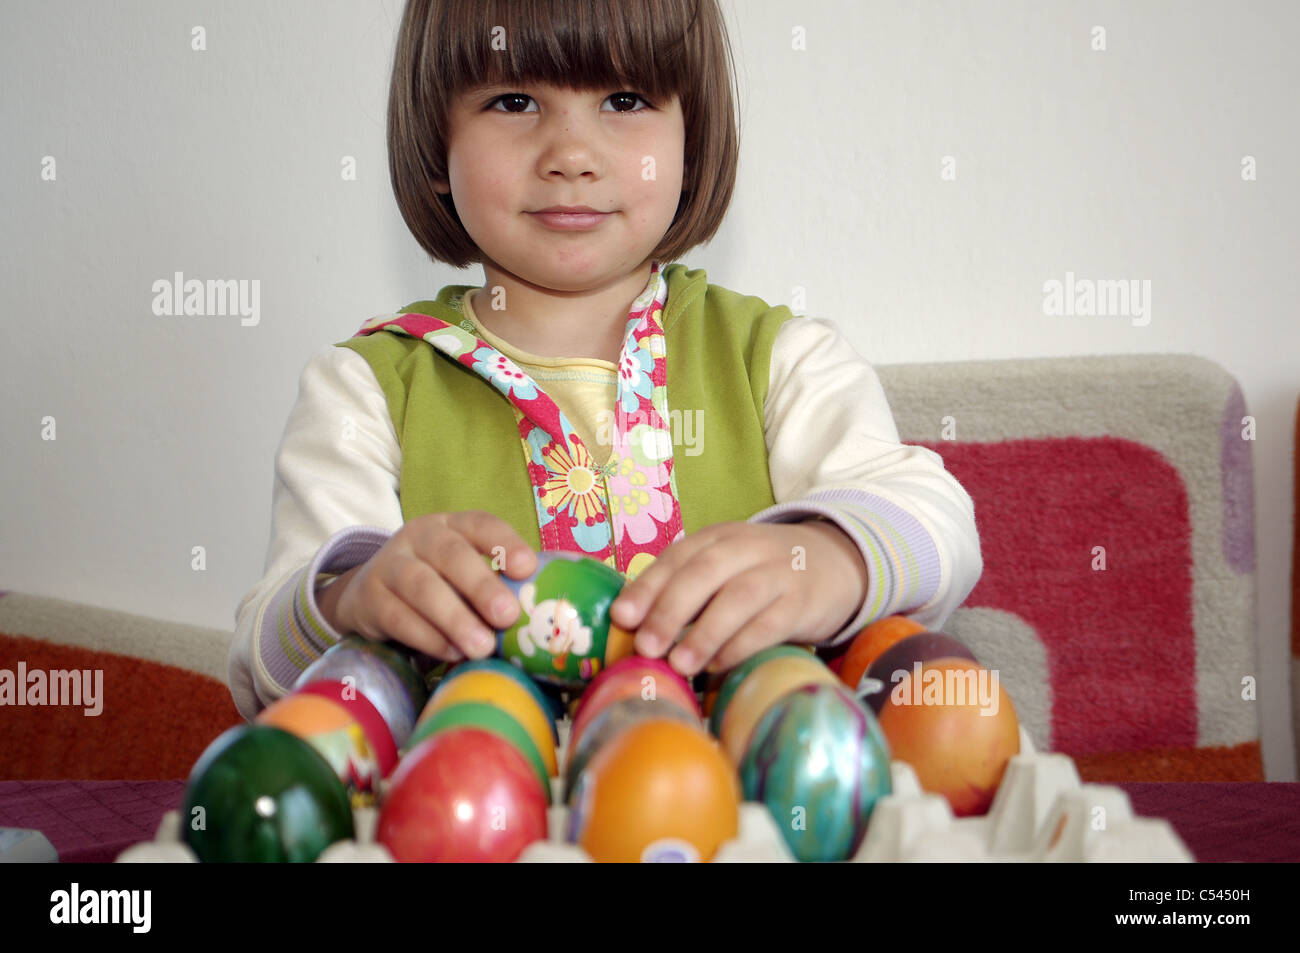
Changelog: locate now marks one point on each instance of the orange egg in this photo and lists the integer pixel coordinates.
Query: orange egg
(304, 715)
(937, 726)
(660, 790)
(759, 690)
(506, 694)
(871, 642)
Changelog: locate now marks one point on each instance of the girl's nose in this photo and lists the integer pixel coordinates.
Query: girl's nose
(572, 150)
(571, 162)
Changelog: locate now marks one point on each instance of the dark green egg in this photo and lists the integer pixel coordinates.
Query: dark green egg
(261, 794)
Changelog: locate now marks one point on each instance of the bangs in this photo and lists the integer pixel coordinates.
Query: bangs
(575, 44)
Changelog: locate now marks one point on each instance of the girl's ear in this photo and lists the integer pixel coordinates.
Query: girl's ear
(441, 186)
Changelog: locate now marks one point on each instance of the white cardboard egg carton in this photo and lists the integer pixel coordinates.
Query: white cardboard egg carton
(1041, 813)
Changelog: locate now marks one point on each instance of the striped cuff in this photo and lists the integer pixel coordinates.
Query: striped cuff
(902, 561)
(294, 633)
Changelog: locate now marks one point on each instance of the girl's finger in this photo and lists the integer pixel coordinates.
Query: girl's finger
(492, 536)
(424, 586)
(490, 601)
(635, 600)
(770, 627)
(743, 603)
(679, 596)
(404, 624)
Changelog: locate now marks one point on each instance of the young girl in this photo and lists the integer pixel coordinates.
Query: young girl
(738, 463)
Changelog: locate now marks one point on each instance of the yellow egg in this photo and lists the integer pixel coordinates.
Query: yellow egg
(506, 694)
(759, 690)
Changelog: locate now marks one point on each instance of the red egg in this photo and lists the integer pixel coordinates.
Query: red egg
(635, 677)
(653, 668)
(463, 795)
(938, 724)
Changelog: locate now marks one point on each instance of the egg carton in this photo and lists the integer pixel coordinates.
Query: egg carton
(1041, 813)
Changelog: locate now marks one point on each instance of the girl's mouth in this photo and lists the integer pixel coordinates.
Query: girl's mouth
(570, 221)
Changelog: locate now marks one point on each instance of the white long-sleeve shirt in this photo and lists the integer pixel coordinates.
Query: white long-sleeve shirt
(833, 451)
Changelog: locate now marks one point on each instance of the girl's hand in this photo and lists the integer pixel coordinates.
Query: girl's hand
(430, 587)
(749, 587)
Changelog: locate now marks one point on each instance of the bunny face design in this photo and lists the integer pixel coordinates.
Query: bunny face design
(554, 626)
(564, 635)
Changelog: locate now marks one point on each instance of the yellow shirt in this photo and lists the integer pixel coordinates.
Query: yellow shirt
(584, 388)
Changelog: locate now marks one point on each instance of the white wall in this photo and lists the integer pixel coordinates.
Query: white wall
(226, 164)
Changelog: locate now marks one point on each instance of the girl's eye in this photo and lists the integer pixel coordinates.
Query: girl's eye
(519, 99)
(630, 99)
(513, 98)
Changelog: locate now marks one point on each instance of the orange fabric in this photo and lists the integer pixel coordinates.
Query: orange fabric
(155, 722)
(1242, 762)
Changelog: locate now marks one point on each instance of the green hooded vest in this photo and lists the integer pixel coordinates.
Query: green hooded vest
(460, 444)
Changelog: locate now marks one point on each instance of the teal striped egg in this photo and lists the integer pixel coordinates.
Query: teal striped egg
(819, 761)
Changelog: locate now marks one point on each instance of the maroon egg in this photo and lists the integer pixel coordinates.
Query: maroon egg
(879, 679)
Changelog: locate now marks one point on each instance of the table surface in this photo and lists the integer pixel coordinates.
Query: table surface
(94, 821)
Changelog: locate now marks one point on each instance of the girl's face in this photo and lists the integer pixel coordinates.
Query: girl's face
(514, 151)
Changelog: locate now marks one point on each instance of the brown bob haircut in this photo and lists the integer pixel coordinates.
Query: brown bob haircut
(657, 47)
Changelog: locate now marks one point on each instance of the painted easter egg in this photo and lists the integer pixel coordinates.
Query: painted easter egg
(378, 734)
(545, 699)
(901, 659)
(872, 642)
(489, 718)
(462, 795)
(633, 677)
(659, 791)
(333, 731)
(612, 719)
(763, 686)
(819, 761)
(505, 693)
(564, 634)
(261, 794)
(722, 697)
(956, 726)
(382, 671)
